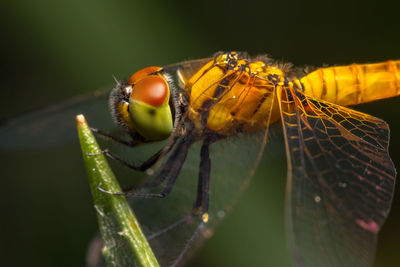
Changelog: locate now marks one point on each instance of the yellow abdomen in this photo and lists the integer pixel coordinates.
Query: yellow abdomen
(353, 84)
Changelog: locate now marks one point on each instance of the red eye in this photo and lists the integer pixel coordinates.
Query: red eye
(140, 74)
(152, 90)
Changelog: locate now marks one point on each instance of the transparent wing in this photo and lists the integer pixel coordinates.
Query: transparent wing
(340, 181)
(187, 68)
(55, 124)
(233, 162)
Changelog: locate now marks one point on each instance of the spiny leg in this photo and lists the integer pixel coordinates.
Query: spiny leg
(203, 188)
(131, 143)
(128, 192)
(170, 169)
(202, 200)
(137, 141)
(147, 163)
(203, 196)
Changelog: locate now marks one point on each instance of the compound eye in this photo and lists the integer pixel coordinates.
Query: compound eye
(149, 109)
(152, 90)
(143, 73)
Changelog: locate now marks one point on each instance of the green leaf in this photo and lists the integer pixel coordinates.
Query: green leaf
(124, 243)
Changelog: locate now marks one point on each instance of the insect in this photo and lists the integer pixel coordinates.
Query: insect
(190, 115)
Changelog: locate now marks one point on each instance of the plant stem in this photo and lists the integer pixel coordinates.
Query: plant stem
(124, 243)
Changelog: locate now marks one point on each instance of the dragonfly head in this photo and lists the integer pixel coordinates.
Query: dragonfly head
(141, 105)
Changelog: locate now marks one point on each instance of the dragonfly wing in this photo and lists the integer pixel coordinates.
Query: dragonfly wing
(233, 161)
(55, 124)
(340, 181)
(182, 71)
(187, 68)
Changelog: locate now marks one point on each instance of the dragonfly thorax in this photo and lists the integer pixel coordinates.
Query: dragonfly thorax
(230, 93)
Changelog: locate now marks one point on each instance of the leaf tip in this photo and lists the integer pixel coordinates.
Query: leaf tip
(80, 119)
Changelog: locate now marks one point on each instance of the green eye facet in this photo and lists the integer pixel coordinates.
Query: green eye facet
(149, 105)
(153, 123)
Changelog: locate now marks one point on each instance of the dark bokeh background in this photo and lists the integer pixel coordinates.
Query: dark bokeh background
(52, 50)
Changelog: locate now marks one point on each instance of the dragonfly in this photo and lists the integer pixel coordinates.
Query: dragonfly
(193, 134)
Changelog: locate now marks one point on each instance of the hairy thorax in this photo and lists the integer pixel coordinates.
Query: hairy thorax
(229, 94)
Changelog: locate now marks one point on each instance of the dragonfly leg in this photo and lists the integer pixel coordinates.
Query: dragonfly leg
(150, 161)
(203, 192)
(201, 206)
(203, 188)
(131, 143)
(203, 196)
(142, 167)
(170, 169)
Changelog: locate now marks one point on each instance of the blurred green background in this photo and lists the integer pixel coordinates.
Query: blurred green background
(52, 50)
